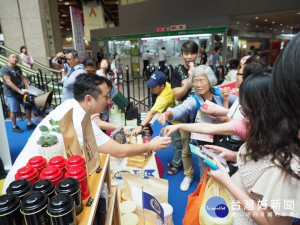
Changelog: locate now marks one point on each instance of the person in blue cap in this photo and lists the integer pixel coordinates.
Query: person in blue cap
(158, 85)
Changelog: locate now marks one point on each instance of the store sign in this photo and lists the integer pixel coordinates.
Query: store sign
(161, 29)
(162, 34)
(178, 27)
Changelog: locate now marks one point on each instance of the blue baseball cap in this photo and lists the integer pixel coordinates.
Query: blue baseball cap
(156, 78)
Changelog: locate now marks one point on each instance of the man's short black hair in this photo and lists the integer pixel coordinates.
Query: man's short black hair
(89, 62)
(217, 48)
(73, 51)
(190, 47)
(88, 84)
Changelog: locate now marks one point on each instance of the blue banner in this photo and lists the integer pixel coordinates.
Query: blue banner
(151, 203)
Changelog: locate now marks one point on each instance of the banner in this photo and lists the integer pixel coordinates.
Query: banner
(78, 34)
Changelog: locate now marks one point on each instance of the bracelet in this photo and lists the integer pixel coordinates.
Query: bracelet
(142, 126)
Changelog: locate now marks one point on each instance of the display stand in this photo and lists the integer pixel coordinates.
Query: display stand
(95, 183)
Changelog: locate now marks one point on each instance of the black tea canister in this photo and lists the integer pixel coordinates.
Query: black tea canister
(61, 209)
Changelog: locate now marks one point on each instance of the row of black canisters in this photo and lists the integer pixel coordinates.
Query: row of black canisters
(33, 203)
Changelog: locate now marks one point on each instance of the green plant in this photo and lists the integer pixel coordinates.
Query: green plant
(48, 139)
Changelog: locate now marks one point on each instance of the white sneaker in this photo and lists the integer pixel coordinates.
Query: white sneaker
(185, 184)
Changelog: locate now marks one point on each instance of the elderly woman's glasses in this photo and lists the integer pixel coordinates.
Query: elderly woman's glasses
(201, 82)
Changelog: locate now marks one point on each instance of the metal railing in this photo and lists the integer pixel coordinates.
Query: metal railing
(137, 91)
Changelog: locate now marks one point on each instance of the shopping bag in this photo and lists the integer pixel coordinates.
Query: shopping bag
(215, 208)
(195, 199)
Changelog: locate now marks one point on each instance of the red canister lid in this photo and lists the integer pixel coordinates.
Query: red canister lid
(58, 161)
(37, 162)
(77, 172)
(26, 172)
(51, 172)
(76, 160)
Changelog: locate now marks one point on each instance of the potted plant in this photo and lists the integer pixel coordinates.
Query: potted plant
(49, 144)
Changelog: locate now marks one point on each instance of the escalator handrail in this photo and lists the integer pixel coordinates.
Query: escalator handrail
(36, 63)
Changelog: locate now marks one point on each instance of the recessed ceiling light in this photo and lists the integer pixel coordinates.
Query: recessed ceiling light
(256, 17)
(271, 28)
(282, 31)
(247, 24)
(291, 27)
(237, 22)
(281, 24)
(266, 20)
(275, 29)
(287, 26)
(256, 26)
(298, 13)
(273, 22)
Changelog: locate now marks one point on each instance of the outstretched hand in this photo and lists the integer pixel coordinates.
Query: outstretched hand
(225, 153)
(159, 143)
(168, 130)
(162, 118)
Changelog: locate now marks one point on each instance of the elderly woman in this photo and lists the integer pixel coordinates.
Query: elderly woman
(203, 81)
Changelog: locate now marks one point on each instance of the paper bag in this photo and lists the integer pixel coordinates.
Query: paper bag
(90, 148)
(72, 146)
(135, 183)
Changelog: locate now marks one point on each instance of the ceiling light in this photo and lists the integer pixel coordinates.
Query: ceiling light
(271, 28)
(237, 22)
(281, 24)
(273, 22)
(256, 17)
(291, 27)
(298, 13)
(282, 31)
(256, 26)
(247, 24)
(266, 20)
(275, 29)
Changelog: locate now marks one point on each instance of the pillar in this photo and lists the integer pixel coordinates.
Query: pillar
(33, 23)
(93, 16)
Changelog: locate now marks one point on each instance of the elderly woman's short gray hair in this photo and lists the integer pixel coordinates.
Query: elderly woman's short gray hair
(206, 71)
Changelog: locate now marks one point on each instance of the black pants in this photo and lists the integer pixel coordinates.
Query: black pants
(162, 65)
(146, 63)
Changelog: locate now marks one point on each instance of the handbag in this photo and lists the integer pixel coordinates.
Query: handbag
(216, 207)
(195, 199)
